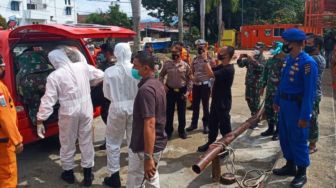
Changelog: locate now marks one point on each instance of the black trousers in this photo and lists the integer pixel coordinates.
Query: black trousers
(98, 99)
(219, 118)
(173, 97)
(200, 93)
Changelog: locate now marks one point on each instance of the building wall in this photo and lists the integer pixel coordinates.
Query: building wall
(40, 12)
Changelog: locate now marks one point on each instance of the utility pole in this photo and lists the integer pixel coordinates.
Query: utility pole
(220, 22)
(242, 13)
(202, 14)
(136, 14)
(180, 17)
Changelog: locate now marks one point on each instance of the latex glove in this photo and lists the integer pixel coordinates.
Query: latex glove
(40, 130)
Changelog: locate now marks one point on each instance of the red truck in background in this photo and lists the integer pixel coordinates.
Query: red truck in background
(47, 37)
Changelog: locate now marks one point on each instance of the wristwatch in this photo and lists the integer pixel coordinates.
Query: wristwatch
(148, 156)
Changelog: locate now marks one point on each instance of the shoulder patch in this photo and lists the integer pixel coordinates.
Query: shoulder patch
(307, 68)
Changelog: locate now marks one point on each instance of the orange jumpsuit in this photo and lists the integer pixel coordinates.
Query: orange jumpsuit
(9, 138)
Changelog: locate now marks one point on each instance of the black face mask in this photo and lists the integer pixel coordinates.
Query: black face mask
(286, 48)
(200, 51)
(309, 49)
(221, 57)
(175, 56)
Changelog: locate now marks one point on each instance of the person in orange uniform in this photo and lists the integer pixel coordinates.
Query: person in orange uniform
(10, 138)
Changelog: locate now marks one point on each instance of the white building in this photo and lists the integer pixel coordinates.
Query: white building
(39, 11)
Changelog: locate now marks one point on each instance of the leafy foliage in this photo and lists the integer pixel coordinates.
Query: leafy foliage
(112, 17)
(3, 22)
(254, 12)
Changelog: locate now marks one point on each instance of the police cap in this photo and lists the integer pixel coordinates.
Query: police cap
(294, 35)
(200, 42)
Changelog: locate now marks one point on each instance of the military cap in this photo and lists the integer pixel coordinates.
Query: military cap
(294, 35)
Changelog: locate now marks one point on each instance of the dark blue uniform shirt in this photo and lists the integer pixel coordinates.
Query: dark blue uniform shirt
(299, 77)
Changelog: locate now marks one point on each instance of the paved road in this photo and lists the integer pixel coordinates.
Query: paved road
(39, 164)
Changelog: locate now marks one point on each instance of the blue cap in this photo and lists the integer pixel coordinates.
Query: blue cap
(293, 35)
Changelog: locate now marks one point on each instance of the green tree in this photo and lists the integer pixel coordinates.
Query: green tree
(3, 22)
(112, 17)
(255, 12)
(273, 11)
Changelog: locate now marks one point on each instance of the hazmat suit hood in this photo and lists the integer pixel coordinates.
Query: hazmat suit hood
(123, 53)
(58, 58)
(73, 53)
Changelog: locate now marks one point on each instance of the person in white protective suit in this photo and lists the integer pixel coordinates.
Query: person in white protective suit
(70, 85)
(120, 87)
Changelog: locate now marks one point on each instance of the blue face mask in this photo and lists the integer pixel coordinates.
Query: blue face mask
(135, 74)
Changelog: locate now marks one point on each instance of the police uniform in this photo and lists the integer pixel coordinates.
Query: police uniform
(295, 97)
(178, 83)
(9, 138)
(200, 92)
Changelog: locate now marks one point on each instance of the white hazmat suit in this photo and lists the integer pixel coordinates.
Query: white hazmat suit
(120, 88)
(70, 85)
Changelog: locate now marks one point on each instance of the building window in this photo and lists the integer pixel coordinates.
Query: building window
(15, 6)
(31, 6)
(68, 11)
(278, 32)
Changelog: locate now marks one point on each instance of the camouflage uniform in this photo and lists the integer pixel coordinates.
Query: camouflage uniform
(314, 130)
(253, 74)
(270, 79)
(31, 79)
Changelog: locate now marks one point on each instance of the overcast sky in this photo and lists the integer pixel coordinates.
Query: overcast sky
(90, 6)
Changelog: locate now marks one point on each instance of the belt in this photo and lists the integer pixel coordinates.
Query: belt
(176, 89)
(4, 140)
(202, 83)
(291, 97)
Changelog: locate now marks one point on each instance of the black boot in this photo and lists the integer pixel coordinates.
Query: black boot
(205, 129)
(268, 132)
(300, 178)
(204, 147)
(68, 176)
(191, 128)
(288, 170)
(113, 180)
(275, 137)
(276, 134)
(183, 135)
(88, 177)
